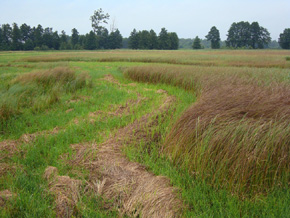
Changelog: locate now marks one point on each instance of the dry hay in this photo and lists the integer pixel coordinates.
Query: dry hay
(5, 196)
(134, 190)
(65, 191)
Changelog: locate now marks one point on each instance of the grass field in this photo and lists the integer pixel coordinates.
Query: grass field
(145, 133)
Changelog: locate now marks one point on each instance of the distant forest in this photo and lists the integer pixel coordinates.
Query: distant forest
(240, 35)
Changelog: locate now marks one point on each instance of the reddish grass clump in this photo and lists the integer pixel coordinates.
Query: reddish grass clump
(237, 134)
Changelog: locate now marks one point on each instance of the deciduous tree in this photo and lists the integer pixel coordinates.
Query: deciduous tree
(99, 17)
(214, 37)
(244, 34)
(284, 39)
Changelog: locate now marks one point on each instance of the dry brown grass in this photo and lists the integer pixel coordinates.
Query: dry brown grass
(238, 134)
(65, 190)
(134, 191)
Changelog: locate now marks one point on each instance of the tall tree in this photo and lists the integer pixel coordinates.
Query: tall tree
(255, 34)
(196, 43)
(214, 37)
(74, 37)
(55, 40)
(153, 40)
(239, 35)
(63, 37)
(104, 39)
(16, 38)
(1, 37)
(284, 39)
(134, 39)
(6, 37)
(164, 40)
(64, 41)
(98, 18)
(91, 41)
(144, 39)
(115, 39)
(38, 33)
(259, 36)
(244, 34)
(48, 37)
(174, 41)
(27, 37)
(25, 32)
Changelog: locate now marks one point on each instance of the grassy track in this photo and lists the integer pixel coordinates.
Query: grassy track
(60, 110)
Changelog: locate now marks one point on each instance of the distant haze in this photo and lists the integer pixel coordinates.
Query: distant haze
(188, 18)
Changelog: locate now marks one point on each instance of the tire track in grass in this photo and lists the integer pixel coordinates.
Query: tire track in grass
(132, 189)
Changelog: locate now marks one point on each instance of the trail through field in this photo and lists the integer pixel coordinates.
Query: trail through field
(128, 186)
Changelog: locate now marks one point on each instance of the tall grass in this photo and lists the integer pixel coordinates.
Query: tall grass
(237, 135)
(38, 90)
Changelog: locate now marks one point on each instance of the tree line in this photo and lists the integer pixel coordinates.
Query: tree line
(149, 40)
(244, 35)
(240, 35)
(27, 38)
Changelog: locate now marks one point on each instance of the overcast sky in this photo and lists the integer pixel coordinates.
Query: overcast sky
(188, 18)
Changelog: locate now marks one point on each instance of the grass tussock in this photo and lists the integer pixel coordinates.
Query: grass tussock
(39, 90)
(237, 135)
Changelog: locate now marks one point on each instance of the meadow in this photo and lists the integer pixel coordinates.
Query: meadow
(145, 133)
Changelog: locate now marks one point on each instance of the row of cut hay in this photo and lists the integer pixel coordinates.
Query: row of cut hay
(236, 135)
(38, 90)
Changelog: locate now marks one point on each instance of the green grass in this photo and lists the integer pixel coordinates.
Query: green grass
(20, 78)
